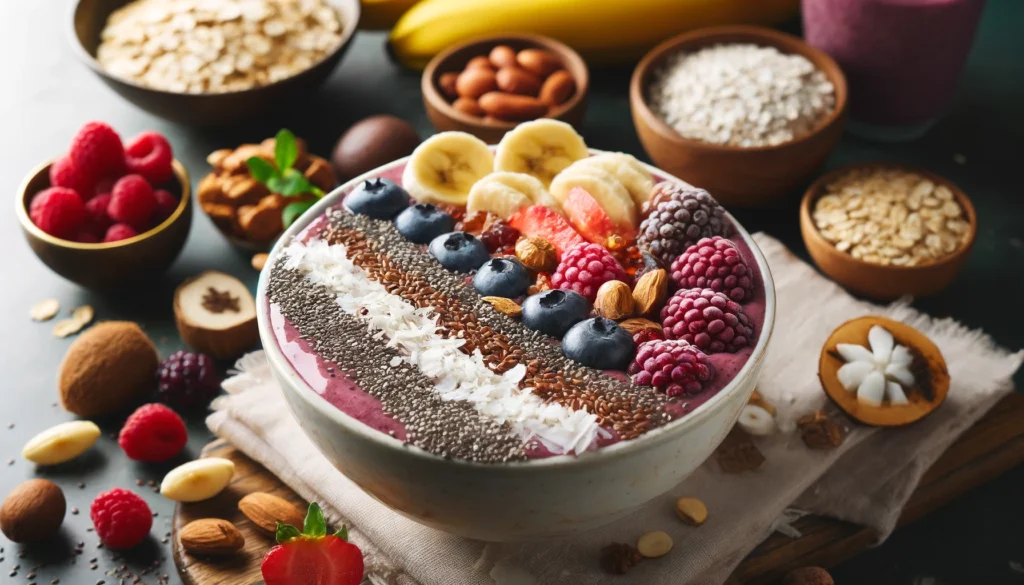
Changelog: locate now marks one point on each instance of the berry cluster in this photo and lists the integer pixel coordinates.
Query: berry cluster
(103, 190)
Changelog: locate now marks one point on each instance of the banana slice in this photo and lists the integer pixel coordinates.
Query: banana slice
(629, 171)
(445, 166)
(498, 194)
(603, 186)
(541, 148)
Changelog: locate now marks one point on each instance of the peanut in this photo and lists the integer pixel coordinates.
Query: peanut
(538, 61)
(474, 83)
(557, 88)
(517, 80)
(505, 106)
(468, 106)
(502, 56)
(446, 83)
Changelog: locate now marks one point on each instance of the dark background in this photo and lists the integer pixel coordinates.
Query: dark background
(46, 95)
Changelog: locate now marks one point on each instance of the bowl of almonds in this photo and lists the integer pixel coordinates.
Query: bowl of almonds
(884, 230)
(212, 62)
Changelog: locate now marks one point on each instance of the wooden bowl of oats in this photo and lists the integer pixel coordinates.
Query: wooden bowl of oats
(213, 63)
(884, 230)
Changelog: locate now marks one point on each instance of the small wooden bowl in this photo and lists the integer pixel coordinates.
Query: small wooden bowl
(874, 280)
(736, 176)
(445, 117)
(211, 109)
(108, 266)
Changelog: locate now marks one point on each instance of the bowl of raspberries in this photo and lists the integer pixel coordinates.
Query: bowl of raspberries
(108, 212)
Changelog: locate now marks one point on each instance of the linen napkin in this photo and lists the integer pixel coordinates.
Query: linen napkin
(866, 480)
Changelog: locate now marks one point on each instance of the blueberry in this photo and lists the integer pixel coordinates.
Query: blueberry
(378, 198)
(554, 311)
(423, 222)
(599, 343)
(459, 251)
(502, 277)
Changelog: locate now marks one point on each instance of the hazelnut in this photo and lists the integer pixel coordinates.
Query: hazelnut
(33, 511)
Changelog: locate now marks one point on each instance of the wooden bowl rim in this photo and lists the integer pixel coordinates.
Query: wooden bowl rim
(347, 33)
(758, 35)
(816, 190)
(430, 92)
(180, 174)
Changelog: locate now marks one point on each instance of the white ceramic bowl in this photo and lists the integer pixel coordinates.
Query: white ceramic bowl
(542, 498)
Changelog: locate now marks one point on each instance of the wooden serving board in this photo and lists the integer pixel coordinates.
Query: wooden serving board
(994, 445)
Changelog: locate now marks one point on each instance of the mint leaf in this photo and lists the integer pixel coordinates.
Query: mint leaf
(260, 169)
(343, 533)
(286, 149)
(315, 525)
(286, 532)
(292, 211)
(275, 184)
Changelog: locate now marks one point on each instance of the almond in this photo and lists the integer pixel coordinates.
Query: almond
(266, 510)
(479, 62)
(638, 324)
(650, 292)
(517, 80)
(216, 158)
(211, 537)
(539, 62)
(511, 107)
(557, 88)
(473, 83)
(468, 105)
(537, 254)
(446, 83)
(502, 56)
(614, 300)
(503, 305)
(197, 480)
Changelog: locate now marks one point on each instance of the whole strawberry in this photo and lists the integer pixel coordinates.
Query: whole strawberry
(312, 557)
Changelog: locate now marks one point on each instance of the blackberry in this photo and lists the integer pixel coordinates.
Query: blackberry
(679, 217)
(187, 380)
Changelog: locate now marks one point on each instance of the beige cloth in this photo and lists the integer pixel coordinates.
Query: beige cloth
(866, 480)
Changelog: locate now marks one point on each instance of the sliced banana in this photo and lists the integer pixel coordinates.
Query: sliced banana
(629, 171)
(541, 148)
(445, 166)
(61, 443)
(502, 194)
(603, 186)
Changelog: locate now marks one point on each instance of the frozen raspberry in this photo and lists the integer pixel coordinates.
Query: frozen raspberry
(96, 213)
(64, 173)
(499, 235)
(118, 232)
(153, 433)
(679, 217)
(584, 268)
(132, 202)
(187, 380)
(121, 518)
(673, 366)
(97, 149)
(166, 203)
(149, 154)
(644, 335)
(713, 263)
(707, 319)
(58, 211)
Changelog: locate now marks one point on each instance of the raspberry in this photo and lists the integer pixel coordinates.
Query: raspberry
(121, 518)
(499, 235)
(187, 380)
(104, 186)
(64, 173)
(96, 213)
(97, 149)
(132, 202)
(149, 154)
(166, 203)
(153, 433)
(584, 268)
(707, 319)
(84, 236)
(679, 217)
(713, 263)
(57, 211)
(673, 366)
(118, 232)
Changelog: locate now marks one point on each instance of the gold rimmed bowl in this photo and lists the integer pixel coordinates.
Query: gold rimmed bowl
(111, 265)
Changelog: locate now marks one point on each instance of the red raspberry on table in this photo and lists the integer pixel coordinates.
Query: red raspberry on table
(97, 149)
(673, 366)
(58, 211)
(153, 433)
(149, 154)
(118, 232)
(713, 263)
(96, 213)
(132, 202)
(166, 203)
(64, 173)
(584, 268)
(121, 518)
(707, 319)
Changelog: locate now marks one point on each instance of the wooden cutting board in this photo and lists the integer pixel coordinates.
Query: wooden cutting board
(994, 445)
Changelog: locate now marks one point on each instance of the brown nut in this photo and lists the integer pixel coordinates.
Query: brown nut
(557, 88)
(503, 305)
(209, 191)
(517, 80)
(691, 511)
(819, 431)
(260, 223)
(446, 83)
(614, 300)
(320, 173)
(539, 62)
(259, 260)
(274, 201)
(236, 161)
(537, 254)
(33, 511)
(651, 291)
(507, 106)
(479, 62)
(211, 537)
(502, 56)
(216, 158)
(475, 82)
(469, 106)
(269, 144)
(638, 324)
(245, 192)
(266, 510)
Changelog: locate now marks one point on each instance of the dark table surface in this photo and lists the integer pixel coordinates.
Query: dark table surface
(47, 95)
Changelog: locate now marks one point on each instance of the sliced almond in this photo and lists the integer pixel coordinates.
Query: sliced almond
(83, 314)
(61, 443)
(45, 310)
(67, 327)
(266, 510)
(650, 292)
(503, 305)
(212, 537)
(216, 314)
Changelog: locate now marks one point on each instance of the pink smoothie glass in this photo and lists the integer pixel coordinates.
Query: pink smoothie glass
(902, 58)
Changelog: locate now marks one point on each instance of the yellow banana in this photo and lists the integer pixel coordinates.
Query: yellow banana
(382, 14)
(603, 31)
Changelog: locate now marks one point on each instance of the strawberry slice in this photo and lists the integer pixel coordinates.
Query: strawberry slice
(312, 557)
(538, 221)
(590, 220)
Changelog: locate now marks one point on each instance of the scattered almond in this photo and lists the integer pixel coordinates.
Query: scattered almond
(638, 324)
(211, 537)
(32, 512)
(537, 254)
(197, 480)
(80, 317)
(614, 300)
(819, 431)
(691, 511)
(266, 510)
(45, 310)
(61, 443)
(654, 544)
(503, 305)
(83, 314)
(651, 291)
(259, 260)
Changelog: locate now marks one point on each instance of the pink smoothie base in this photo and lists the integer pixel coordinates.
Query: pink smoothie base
(329, 380)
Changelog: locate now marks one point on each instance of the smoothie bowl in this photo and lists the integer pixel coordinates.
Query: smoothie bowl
(516, 343)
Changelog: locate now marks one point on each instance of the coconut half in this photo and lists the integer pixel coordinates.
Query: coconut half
(216, 315)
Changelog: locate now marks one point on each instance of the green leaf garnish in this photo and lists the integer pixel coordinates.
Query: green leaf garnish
(282, 178)
(315, 525)
(260, 169)
(292, 211)
(286, 532)
(286, 149)
(343, 533)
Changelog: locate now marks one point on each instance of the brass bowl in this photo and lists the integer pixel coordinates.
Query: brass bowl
(108, 266)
